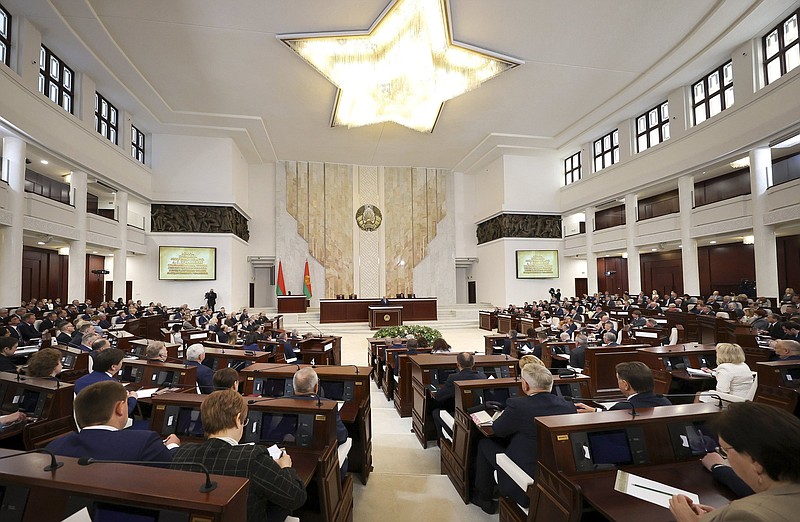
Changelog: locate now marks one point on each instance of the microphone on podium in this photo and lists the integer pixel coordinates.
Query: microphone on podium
(209, 485)
(54, 464)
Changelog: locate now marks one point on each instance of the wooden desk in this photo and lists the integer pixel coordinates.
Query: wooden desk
(779, 373)
(348, 383)
(555, 354)
(41, 399)
(356, 310)
(422, 368)
(598, 491)
(74, 362)
(139, 348)
(150, 374)
(376, 358)
(525, 323)
(121, 339)
(217, 358)
(38, 495)
(383, 316)
(488, 320)
(600, 365)
(189, 337)
(322, 350)
(506, 322)
(148, 327)
(400, 390)
(292, 304)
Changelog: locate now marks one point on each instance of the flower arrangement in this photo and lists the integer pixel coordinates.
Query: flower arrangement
(416, 330)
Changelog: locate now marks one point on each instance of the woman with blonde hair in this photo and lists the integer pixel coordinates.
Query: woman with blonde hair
(529, 359)
(749, 316)
(732, 373)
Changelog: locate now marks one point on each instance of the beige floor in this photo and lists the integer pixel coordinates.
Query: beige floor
(406, 483)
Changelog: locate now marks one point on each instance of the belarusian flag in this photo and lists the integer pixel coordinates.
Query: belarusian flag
(307, 282)
(280, 288)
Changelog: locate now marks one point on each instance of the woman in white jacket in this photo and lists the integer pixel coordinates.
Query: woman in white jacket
(732, 373)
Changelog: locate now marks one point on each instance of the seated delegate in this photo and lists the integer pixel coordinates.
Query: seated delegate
(274, 489)
(635, 381)
(445, 396)
(762, 444)
(732, 373)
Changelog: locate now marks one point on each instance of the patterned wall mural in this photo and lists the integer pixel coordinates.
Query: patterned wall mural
(197, 218)
(323, 199)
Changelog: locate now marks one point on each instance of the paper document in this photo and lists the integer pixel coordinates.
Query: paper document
(340, 404)
(698, 373)
(144, 393)
(482, 418)
(275, 452)
(607, 405)
(649, 490)
(79, 516)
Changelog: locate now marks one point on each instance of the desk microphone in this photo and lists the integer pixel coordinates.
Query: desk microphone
(349, 365)
(315, 328)
(209, 486)
(54, 464)
(712, 395)
(264, 399)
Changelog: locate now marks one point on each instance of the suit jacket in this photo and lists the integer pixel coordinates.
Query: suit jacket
(341, 430)
(205, 376)
(63, 338)
(727, 477)
(112, 445)
(643, 400)
(775, 330)
(518, 423)
(45, 325)
(94, 377)
(446, 394)
(269, 483)
(777, 504)
(577, 357)
(28, 332)
(7, 365)
(14, 332)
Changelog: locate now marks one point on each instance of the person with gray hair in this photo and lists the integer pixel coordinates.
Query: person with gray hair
(195, 354)
(577, 356)
(516, 426)
(787, 350)
(609, 339)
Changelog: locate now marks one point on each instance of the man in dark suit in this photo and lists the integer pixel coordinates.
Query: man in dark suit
(384, 301)
(445, 396)
(610, 339)
(775, 328)
(517, 426)
(65, 329)
(48, 322)
(205, 375)
(101, 411)
(635, 381)
(274, 490)
(27, 330)
(13, 326)
(211, 299)
(106, 365)
(8, 346)
(577, 356)
(786, 350)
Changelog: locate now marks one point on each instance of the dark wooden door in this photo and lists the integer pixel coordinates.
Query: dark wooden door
(581, 286)
(472, 293)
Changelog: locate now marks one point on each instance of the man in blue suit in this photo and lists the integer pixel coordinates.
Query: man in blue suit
(101, 411)
(107, 364)
(517, 425)
(446, 395)
(205, 375)
(635, 381)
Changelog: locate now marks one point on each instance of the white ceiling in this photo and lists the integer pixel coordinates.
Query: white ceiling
(216, 68)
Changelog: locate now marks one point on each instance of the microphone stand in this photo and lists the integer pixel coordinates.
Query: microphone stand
(209, 485)
(54, 464)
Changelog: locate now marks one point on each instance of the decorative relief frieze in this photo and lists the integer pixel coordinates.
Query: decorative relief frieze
(519, 225)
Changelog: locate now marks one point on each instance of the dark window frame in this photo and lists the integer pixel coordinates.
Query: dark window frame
(572, 168)
(5, 39)
(64, 91)
(138, 144)
(660, 127)
(108, 125)
(608, 152)
(782, 48)
(722, 92)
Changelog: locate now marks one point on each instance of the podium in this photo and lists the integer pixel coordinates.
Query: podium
(292, 304)
(383, 316)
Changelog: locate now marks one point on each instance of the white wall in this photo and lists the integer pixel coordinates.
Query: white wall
(465, 239)
(488, 191)
(233, 272)
(530, 184)
(261, 185)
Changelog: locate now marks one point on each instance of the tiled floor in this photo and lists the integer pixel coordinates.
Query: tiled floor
(405, 484)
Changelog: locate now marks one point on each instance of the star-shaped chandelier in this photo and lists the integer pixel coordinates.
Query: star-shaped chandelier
(402, 69)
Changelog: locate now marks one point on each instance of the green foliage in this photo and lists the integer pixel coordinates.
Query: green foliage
(416, 330)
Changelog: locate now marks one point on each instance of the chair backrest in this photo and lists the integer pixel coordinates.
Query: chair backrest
(752, 393)
(619, 336)
(723, 315)
(40, 434)
(673, 336)
(662, 380)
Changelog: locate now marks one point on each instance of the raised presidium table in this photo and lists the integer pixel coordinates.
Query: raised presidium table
(357, 310)
(108, 491)
(292, 304)
(383, 316)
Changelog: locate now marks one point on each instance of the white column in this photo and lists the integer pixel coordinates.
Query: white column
(11, 236)
(120, 255)
(591, 258)
(764, 235)
(634, 270)
(691, 271)
(76, 282)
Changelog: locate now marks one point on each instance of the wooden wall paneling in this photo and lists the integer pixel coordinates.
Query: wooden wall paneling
(723, 267)
(662, 271)
(722, 187)
(94, 282)
(44, 274)
(617, 282)
(788, 248)
(610, 217)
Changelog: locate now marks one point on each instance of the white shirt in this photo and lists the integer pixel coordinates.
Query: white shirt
(736, 379)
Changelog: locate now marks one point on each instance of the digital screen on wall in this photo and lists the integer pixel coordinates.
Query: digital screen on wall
(176, 263)
(537, 264)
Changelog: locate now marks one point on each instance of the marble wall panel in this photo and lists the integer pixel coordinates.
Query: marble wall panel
(291, 188)
(302, 199)
(432, 206)
(339, 214)
(316, 211)
(399, 230)
(441, 193)
(419, 213)
(369, 258)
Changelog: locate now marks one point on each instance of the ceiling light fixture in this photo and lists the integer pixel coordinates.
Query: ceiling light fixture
(748, 240)
(402, 69)
(712, 242)
(44, 162)
(741, 163)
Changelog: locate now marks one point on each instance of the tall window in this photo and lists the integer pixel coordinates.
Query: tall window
(56, 79)
(137, 144)
(5, 35)
(782, 49)
(652, 127)
(606, 150)
(572, 168)
(105, 118)
(713, 94)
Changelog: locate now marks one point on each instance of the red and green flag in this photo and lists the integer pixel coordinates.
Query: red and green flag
(280, 288)
(307, 282)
